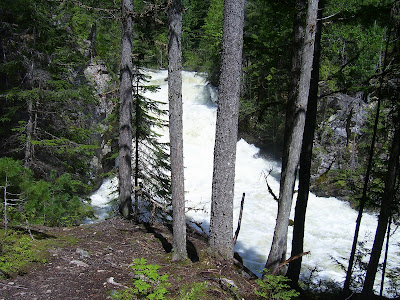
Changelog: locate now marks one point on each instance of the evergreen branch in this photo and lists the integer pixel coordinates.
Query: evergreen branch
(110, 11)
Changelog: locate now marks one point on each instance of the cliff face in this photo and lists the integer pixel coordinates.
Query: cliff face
(336, 143)
(105, 88)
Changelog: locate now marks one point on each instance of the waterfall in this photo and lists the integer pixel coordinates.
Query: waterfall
(330, 222)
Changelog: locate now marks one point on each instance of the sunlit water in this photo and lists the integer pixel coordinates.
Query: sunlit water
(330, 223)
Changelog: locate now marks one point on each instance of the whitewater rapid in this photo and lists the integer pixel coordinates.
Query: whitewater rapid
(329, 225)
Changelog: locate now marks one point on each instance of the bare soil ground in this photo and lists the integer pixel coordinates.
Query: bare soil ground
(98, 263)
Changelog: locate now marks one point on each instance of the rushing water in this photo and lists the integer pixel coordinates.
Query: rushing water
(330, 223)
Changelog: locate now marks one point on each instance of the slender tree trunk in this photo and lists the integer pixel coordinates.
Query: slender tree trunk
(386, 207)
(386, 257)
(29, 134)
(221, 221)
(5, 204)
(305, 160)
(125, 113)
(277, 254)
(176, 129)
(137, 139)
(347, 282)
(346, 287)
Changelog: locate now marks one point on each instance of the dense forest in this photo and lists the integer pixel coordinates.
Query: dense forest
(314, 83)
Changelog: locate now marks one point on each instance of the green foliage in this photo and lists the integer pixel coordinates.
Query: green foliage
(274, 287)
(20, 248)
(151, 166)
(351, 54)
(16, 253)
(268, 32)
(193, 292)
(193, 31)
(150, 40)
(147, 284)
(54, 203)
(42, 84)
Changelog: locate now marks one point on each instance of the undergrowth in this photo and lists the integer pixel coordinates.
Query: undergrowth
(18, 250)
(146, 284)
(275, 287)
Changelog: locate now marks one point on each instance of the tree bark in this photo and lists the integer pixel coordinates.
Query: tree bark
(125, 113)
(385, 212)
(277, 254)
(176, 129)
(305, 160)
(221, 221)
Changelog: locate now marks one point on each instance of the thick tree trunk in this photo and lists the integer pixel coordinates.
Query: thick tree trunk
(277, 254)
(175, 129)
(125, 113)
(305, 160)
(221, 222)
(297, 47)
(386, 207)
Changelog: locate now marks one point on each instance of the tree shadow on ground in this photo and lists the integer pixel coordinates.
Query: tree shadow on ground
(36, 234)
(191, 249)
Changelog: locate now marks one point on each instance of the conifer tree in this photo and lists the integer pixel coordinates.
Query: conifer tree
(152, 186)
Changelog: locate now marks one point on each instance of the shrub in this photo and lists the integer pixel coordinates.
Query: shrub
(274, 287)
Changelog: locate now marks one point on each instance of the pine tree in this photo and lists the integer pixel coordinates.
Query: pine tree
(151, 168)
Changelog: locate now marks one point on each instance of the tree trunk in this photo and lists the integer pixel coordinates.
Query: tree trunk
(137, 139)
(297, 46)
(305, 160)
(175, 129)
(347, 282)
(221, 221)
(386, 207)
(385, 258)
(125, 113)
(277, 254)
(29, 134)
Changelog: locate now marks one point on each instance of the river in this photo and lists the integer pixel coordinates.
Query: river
(330, 222)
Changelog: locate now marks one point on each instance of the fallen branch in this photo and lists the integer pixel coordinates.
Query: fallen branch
(239, 221)
(292, 258)
(237, 261)
(198, 224)
(269, 188)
